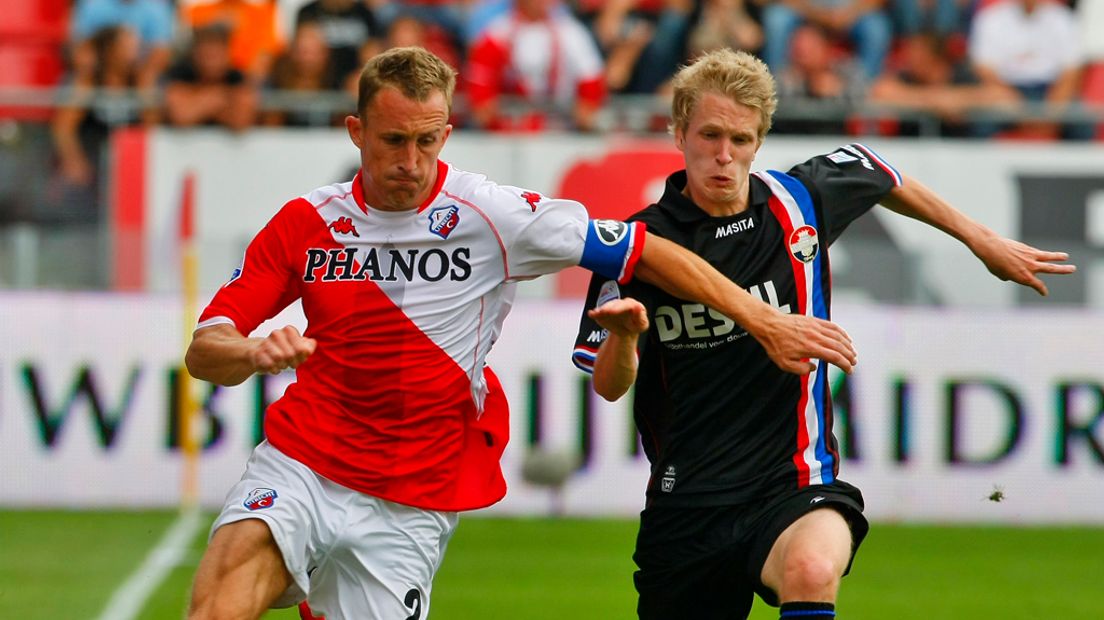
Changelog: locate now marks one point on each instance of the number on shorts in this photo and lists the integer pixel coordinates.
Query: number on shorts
(414, 601)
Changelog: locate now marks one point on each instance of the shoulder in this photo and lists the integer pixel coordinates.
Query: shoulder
(319, 196)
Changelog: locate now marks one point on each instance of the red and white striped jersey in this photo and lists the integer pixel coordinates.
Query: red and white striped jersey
(396, 400)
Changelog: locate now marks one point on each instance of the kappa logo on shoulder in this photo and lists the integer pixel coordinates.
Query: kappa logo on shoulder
(443, 220)
(344, 226)
(804, 244)
(259, 499)
(532, 198)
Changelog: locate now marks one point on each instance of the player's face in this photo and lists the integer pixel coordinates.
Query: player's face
(719, 144)
(399, 141)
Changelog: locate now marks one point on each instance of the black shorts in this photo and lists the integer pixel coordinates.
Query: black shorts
(705, 562)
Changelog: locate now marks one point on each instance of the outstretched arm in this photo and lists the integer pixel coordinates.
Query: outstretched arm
(1007, 259)
(790, 340)
(221, 355)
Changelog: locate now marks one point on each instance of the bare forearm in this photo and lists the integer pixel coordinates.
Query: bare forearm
(688, 276)
(615, 366)
(913, 199)
(221, 355)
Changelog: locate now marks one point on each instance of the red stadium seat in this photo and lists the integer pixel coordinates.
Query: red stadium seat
(32, 36)
(1092, 90)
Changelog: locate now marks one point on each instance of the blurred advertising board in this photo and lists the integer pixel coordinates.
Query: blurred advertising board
(945, 408)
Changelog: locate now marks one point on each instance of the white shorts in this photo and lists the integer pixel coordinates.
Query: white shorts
(354, 556)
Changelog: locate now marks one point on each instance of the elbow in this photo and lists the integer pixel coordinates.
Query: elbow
(609, 392)
(193, 364)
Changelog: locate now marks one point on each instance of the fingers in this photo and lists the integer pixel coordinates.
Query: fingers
(813, 338)
(283, 348)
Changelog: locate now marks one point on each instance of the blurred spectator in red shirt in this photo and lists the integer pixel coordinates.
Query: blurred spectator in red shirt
(151, 21)
(541, 53)
(254, 31)
(305, 67)
(349, 27)
(206, 89)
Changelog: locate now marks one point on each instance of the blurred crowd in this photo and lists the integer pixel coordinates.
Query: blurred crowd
(526, 65)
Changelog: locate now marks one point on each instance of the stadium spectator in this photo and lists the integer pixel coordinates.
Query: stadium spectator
(151, 20)
(862, 22)
(450, 16)
(305, 67)
(254, 32)
(744, 497)
(350, 29)
(206, 89)
(725, 23)
(1034, 47)
(643, 41)
(98, 102)
(541, 54)
(817, 73)
(945, 18)
(929, 80)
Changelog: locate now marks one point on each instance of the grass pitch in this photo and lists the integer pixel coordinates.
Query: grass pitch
(66, 565)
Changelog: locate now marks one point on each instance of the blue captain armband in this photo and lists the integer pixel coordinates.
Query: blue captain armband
(612, 248)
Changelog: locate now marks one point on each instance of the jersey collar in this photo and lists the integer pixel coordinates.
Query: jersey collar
(680, 207)
(442, 172)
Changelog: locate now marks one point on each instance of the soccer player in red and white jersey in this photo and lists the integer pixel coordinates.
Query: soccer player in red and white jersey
(744, 497)
(395, 424)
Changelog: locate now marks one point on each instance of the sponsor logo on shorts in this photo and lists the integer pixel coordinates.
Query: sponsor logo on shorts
(259, 499)
(668, 481)
(443, 220)
(804, 244)
(610, 231)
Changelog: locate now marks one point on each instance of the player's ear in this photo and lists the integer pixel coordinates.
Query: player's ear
(354, 127)
(680, 137)
(448, 132)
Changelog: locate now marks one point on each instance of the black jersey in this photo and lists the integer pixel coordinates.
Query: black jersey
(720, 422)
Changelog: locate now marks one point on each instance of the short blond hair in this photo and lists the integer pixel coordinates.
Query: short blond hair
(413, 71)
(737, 75)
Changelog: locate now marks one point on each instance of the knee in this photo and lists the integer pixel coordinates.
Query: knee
(810, 576)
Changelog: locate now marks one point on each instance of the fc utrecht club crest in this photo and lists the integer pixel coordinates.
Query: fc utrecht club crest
(443, 220)
(804, 244)
(260, 499)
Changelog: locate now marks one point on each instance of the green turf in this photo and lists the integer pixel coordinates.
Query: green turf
(62, 565)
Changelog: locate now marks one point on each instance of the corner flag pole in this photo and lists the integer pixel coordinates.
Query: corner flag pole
(188, 406)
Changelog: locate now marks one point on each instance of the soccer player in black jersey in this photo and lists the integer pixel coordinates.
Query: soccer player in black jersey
(744, 497)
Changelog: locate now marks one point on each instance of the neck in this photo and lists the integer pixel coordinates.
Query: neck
(723, 208)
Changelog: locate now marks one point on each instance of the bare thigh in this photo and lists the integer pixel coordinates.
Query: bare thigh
(241, 573)
(808, 559)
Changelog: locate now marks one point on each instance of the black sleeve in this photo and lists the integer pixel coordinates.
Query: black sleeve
(602, 289)
(591, 335)
(845, 184)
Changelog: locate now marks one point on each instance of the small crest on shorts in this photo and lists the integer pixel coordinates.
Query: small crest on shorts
(260, 499)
